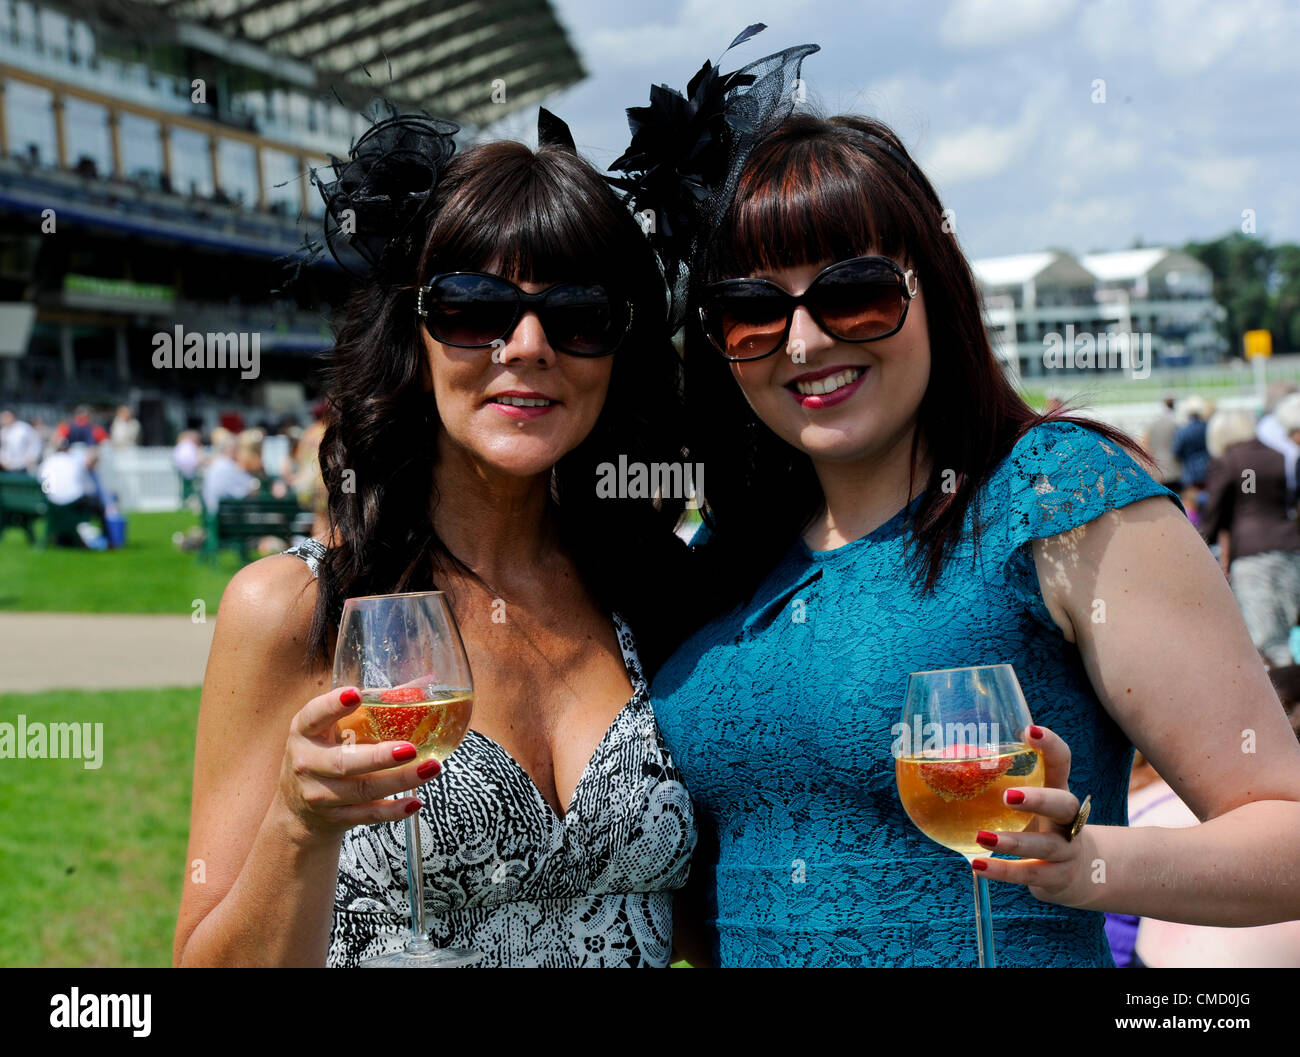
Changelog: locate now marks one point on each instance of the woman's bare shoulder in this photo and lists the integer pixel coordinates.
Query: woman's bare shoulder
(271, 602)
(259, 669)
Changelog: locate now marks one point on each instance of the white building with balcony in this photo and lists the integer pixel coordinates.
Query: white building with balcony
(1158, 300)
(1167, 294)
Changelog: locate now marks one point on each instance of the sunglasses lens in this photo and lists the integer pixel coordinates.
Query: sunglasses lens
(745, 321)
(581, 319)
(470, 310)
(860, 301)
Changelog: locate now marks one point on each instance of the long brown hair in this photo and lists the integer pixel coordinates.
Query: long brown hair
(543, 216)
(831, 189)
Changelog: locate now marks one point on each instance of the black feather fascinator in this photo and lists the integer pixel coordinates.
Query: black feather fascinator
(378, 200)
(687, 152)
(375, 198)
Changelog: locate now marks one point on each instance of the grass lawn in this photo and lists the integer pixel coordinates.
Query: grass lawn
(148, 575)
(92, 861)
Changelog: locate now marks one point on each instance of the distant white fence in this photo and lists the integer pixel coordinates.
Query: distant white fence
(145, 479)
(1134, 418)
(1219, 380)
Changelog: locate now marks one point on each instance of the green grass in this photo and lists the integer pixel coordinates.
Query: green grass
(92, 861)
(149, 575)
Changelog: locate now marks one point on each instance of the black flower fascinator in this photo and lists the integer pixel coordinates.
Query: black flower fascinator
(687, 152)
(375, 198)
(378, 200)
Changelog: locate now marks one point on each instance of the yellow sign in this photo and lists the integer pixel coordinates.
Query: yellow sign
(1259, 343)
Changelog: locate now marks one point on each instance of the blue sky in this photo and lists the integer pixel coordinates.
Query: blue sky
(1201, 118)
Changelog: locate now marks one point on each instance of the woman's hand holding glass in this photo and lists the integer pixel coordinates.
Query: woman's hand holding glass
(329, 782)
(1055, 868)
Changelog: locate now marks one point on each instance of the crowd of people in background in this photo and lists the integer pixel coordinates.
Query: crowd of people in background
(65, 459)
(233, 461)
(1236, 475)
(25, 444)
(279, 460)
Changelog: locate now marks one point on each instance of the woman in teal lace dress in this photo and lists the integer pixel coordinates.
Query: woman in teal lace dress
(881, 501)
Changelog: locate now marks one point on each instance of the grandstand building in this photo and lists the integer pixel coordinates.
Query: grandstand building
(1161, 296)
(153, 175)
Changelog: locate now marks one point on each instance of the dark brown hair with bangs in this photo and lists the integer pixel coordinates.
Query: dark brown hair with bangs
(543, 216)
(818, 191)
(805, 198)
(528, 213)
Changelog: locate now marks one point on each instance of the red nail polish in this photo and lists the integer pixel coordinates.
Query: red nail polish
(412, 807)
(980, 864)
(1015, 796)
(1035, 732)
(989, 840)
(349, 697)
(429, 767)
(403, 753)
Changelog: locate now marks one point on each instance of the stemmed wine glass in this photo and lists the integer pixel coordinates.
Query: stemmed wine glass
(960, 746)
(404, 653)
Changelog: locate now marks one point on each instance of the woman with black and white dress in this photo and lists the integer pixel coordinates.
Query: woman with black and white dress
(468, 423)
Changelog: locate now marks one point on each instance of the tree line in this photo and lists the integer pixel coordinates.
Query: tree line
(1257, 284)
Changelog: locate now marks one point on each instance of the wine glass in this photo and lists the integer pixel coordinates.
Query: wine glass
(960, 746)
(404, 653)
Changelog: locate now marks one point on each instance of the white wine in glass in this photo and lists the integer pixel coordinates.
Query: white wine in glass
(961, 746)
(404, 653)
(432, 720)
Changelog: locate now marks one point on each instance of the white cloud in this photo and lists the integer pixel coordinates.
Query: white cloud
(973, 153)
(972, 24)
(1213, 191)
(1088, 158)
(1204, 214)
(883, 96)
(996, 107)
(984, 149)
(1079, 224)
(1185, 38)
(1220, 176)
(698, 31)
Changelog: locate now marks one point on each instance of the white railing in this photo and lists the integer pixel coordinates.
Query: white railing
(1219, 381)
(1135, 417)
(145, 479)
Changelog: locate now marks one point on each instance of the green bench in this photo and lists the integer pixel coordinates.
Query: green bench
(22, 502)
(236, 522)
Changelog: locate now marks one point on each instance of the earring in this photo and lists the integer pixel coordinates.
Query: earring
(555, 487)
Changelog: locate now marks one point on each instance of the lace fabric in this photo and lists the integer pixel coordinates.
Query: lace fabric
(506, 875)
(779, 718)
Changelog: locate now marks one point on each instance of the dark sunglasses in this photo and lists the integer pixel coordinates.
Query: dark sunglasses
(863, 299)
(472, 310)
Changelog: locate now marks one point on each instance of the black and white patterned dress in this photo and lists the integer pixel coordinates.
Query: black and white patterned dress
(507, 876)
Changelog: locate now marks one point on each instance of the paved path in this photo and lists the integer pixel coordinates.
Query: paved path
(52, 651)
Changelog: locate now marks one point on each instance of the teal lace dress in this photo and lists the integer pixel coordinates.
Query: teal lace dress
(778, 715)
